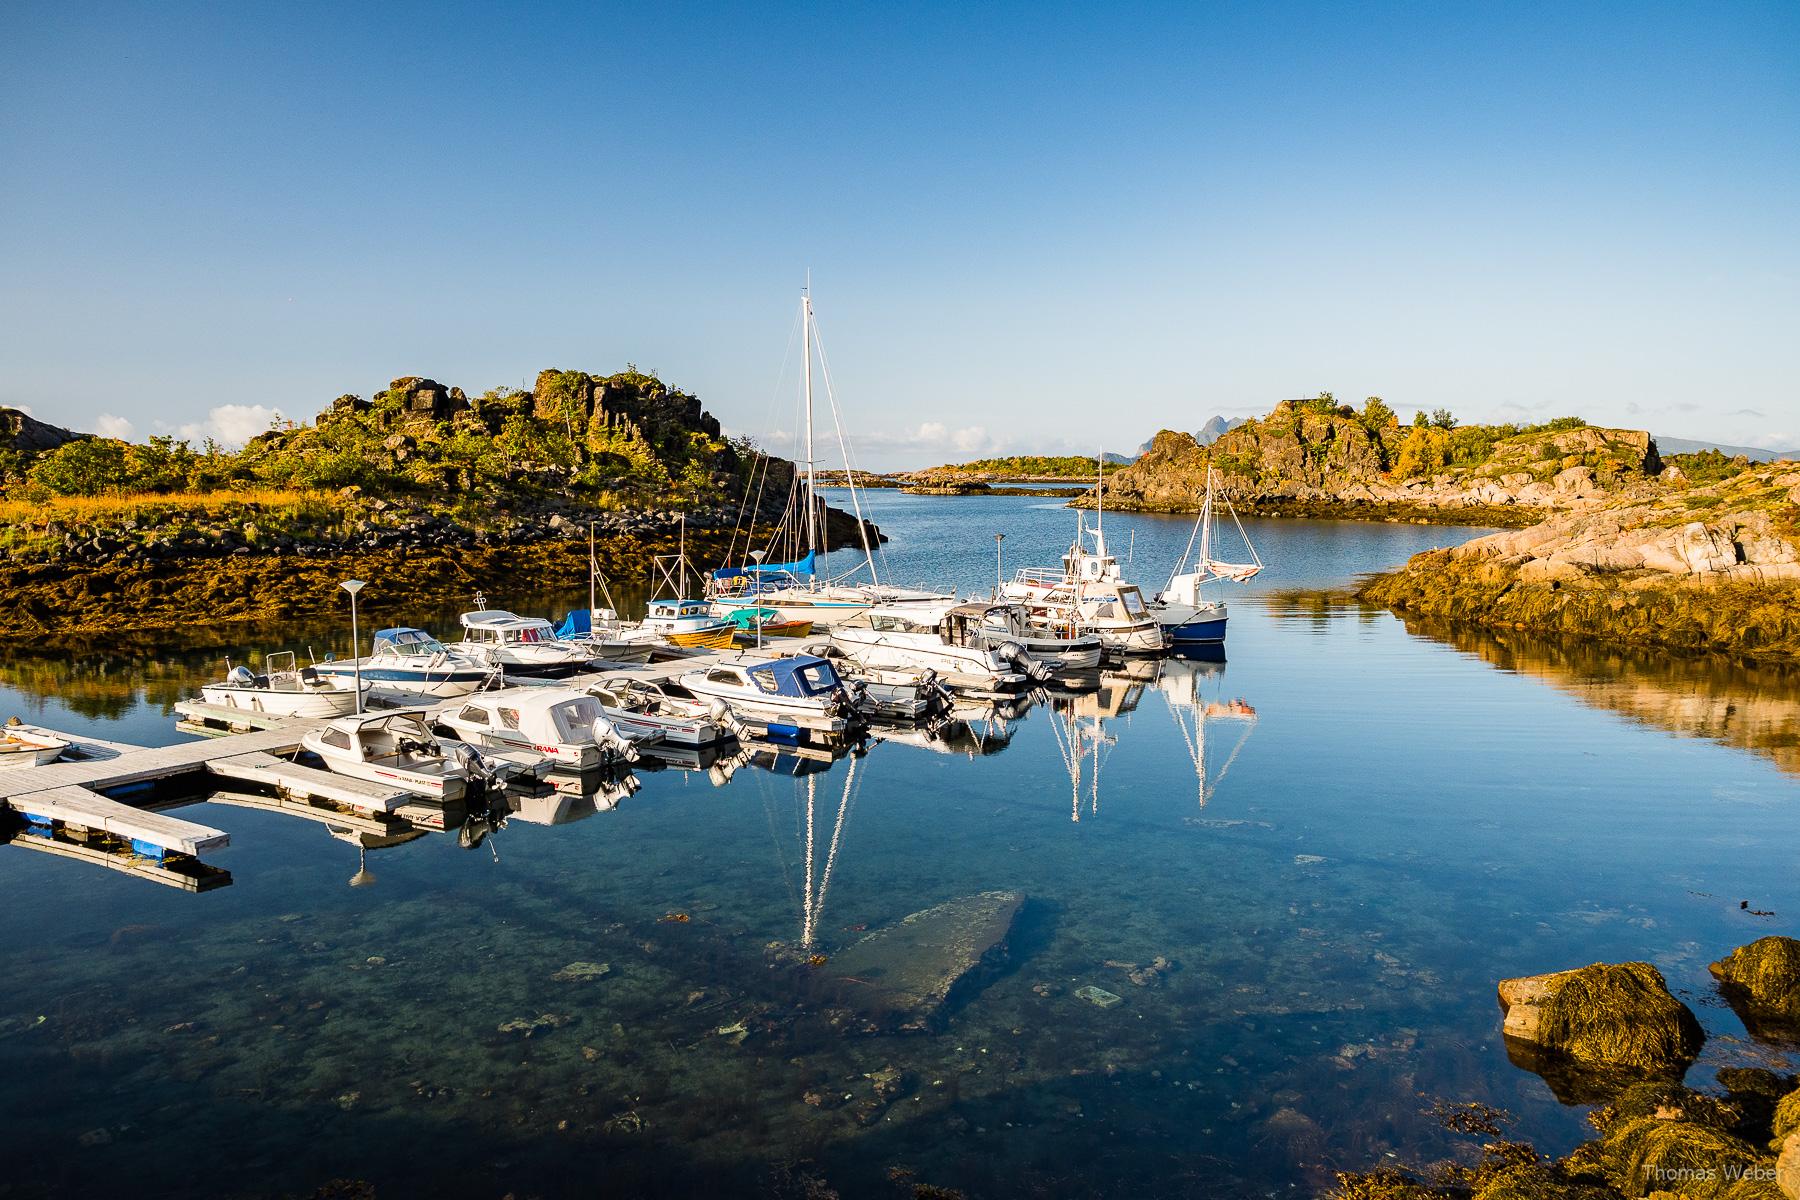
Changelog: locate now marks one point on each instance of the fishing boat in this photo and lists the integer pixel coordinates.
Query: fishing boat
(569, 727)
(25, 747)
(802, 692)
(515, 645)
(393, 748)
(1061, 645)
(283, 689)
(1089, 592)
(641, 710)
(754, 624)
(412, 660)
(794, 587)
(948, 640)
(689, 623)
(1185, 616)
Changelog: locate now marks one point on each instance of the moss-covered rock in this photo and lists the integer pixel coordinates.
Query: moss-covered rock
(1762, 983)
(1647, 1155)
(1615, 1017)
(1539, 1181)
(1787, 1118)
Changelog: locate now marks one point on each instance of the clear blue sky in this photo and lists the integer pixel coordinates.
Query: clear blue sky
(1028, 227)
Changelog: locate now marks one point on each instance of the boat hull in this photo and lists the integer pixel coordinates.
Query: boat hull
(1187, 625)
(431, 787)
(443, 683)
(324, 702)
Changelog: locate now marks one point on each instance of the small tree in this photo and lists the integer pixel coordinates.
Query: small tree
(1441, 418)
(1420, 420)
(86, 467)
(1377, 416)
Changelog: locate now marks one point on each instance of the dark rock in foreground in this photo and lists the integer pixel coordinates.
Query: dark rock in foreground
(908, 977)
(1762, 983)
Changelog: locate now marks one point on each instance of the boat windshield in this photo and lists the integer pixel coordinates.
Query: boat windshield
(539, 632)
(574, 717)
(409, 643)
(1133, 601)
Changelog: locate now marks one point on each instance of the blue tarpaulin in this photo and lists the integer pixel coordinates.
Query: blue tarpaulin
(802, 569)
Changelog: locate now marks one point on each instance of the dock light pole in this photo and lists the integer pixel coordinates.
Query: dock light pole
(354, 586)
(999, 571)
(756, 556)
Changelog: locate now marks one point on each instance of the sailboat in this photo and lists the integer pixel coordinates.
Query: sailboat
(1187, 617)
(794, 588)
(1089, 591)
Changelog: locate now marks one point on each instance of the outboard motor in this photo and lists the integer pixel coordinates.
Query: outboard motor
(726, 718)
(1015, 654)
(477, 768)
(241, 676)
(608, 737)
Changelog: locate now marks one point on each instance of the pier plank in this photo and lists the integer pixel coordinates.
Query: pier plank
(78, 806)
(294, 779)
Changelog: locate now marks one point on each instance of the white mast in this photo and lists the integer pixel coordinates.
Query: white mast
(1206, 522)
(812, 540)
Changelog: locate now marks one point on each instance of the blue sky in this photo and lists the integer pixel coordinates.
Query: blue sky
(1029, 227)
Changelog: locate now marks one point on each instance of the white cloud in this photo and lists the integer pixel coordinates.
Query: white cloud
(107, 425)
(232, 424)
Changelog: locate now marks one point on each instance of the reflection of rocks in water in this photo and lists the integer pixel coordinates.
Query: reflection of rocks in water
(908, 976)
(1754, 708)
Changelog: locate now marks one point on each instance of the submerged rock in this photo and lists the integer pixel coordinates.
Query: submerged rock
(577, 972)
(1762, 983)
(908, 976)
(1098, 996)
(1606, 1016)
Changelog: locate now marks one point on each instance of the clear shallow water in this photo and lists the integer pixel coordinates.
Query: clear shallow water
(1410, 816)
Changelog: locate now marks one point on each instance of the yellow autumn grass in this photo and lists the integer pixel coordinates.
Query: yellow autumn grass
(90, 509)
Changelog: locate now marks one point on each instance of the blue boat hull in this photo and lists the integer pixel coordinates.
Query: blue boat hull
(1197, 633)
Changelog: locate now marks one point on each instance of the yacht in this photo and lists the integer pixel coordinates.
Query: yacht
(412, 660)
(795, 588)
(516, 645)
(1185, 616)
(949, 640)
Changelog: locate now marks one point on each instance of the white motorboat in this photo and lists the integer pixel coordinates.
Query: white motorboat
(517, 645)
(22, 746)
(411, 660)
(1089, 592)
(797, 692)
(794, 588)
(393, 748)
(644, 712)
(1188, 618)
(1060, 645)
(283, 689)
(603, 637)
(567, 726)
(948, 640)
(890, 695)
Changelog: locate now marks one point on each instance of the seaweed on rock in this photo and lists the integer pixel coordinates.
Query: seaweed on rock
(1605, 1017)
(1761, 981)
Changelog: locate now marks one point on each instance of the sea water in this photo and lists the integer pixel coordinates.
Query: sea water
(1334, 843)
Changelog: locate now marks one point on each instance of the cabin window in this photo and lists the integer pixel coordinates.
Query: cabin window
(766, 681)
(337, 738)
(474, 715)
(725, 677)
(1106, 608)
(887, 624)
(509, 717)
(1134, 602)
(817, 678)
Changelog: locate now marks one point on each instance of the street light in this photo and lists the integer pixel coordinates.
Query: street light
(354, 586)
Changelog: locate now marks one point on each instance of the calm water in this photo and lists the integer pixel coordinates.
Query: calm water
(1386, 821)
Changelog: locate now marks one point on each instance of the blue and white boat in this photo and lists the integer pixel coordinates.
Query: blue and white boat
(1187, 617)
(800, 691)
(411, 660)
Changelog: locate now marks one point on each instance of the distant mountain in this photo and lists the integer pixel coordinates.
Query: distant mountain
(1675, 445)
(1122, 459)
(1218, 427)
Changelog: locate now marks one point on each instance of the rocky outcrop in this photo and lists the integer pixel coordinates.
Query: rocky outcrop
(1306, 459)
(1613, 1017)
(26, 434)
(1703, 568)
(907, 977)
(1762, 982)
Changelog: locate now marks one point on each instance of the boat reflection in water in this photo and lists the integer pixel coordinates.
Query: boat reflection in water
(1185, 681)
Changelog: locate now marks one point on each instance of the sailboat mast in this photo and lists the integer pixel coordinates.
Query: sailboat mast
(812, 503)
(591, 565)
(1206, 522)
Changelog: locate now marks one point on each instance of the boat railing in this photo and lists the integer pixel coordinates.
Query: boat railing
(1041, 576)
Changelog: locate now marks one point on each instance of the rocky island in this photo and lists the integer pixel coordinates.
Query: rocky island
(434, 493)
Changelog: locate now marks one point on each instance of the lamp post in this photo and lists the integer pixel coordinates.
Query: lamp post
(354, 586)
(756, 556)
(999, 571)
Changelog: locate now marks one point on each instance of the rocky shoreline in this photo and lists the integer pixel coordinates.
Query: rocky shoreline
(1713, 568)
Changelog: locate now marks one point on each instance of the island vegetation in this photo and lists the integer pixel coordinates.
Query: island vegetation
(444, 491)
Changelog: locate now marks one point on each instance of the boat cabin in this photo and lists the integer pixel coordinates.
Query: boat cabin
(500, 628)
(555, 721)
(801, 676)
(675, 610)
(396, 738)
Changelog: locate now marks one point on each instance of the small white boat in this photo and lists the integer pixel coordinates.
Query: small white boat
(411, 660)
(798, 692)
(24, 747)
(1188, 618)
(948, 640)
(1059, 645)
(393, 748)
(568, 727)
(284, 689)
(518, 645)
(889, 695)
(602, 637)
(644, 712)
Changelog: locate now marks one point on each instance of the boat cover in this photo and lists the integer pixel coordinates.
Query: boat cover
(801, 569)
